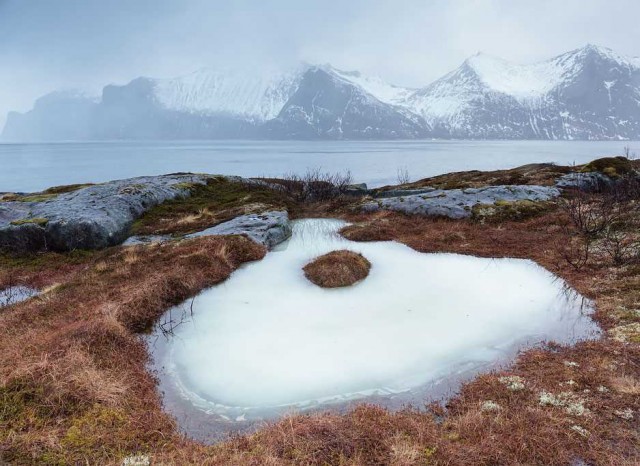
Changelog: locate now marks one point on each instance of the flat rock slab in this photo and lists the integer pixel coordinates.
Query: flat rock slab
(268, 228)
(458, 203)
(93, 217)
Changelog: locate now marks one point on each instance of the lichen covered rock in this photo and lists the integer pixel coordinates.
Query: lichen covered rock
(459, 203)
(91, 217)
(268, 228)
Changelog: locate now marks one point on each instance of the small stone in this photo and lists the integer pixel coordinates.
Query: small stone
(571, 364)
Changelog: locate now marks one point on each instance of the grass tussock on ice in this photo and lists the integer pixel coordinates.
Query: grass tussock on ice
(337, 269)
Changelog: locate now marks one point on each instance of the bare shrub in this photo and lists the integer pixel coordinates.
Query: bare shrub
(620, 246)
(625, 189)
(575, 250)
(628, 153)
(403, 175)
(316, 185)
(590, 214)
(8, 289)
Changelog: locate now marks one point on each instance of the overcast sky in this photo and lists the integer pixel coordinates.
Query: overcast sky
(51, 44)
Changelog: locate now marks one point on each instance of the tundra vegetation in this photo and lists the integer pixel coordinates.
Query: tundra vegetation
(74, 387)
(337, 269)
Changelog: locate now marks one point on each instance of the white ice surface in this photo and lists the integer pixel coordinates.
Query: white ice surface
(268, 337)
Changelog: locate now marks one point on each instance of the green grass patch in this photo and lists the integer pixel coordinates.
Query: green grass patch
(217, 197)
(41, 197)
(68, 188)
(505, 210)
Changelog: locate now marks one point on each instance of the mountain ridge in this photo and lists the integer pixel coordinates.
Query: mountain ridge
(588, 93)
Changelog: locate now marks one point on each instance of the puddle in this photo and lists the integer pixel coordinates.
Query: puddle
(267, 341)
(15, 294)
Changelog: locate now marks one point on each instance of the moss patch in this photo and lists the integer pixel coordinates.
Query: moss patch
(217, 201)
(36, 197)
(613, 167)
(337, 269)
(35, 220)
(503, 210)
(68, 188)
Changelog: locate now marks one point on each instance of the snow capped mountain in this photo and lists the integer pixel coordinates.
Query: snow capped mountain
(381, 90)
(335, 104)
(255, 96)
(588, 93)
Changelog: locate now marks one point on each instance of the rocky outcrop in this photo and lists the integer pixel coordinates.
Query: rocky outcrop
(458, 203)
(268, 228)
(92, 217)
(585, 181)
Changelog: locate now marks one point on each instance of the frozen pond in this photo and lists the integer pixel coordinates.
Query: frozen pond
(268, 341)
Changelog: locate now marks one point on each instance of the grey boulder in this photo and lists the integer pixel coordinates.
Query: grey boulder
(458, 203)
(268, 228)
(585, 181)
(93, 217)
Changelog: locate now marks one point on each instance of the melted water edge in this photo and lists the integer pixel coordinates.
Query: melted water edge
(267, 342)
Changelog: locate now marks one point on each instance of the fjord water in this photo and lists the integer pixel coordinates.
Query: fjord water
(34, 167)
(269, 341)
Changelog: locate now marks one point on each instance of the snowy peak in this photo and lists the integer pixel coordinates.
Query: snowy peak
(374, 85)
(591, 51)
(524, 82)
(534, 81)
(250, 94)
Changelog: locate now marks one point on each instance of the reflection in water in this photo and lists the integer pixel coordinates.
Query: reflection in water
(15, 294)
(268, 341)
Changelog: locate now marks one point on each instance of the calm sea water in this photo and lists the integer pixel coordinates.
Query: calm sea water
(33, 167)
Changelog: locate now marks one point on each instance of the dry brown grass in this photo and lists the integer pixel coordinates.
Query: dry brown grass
(74, 388)
(73, 383)
(337, 268)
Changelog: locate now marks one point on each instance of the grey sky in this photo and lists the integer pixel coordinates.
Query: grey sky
(52, 44)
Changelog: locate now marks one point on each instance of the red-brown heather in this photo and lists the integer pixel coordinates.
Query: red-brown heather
(74, 388)
(337, 269)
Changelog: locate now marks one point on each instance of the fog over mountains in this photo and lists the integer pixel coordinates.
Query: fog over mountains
(591, 93)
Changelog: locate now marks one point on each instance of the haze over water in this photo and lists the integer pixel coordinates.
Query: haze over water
(34, 167)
